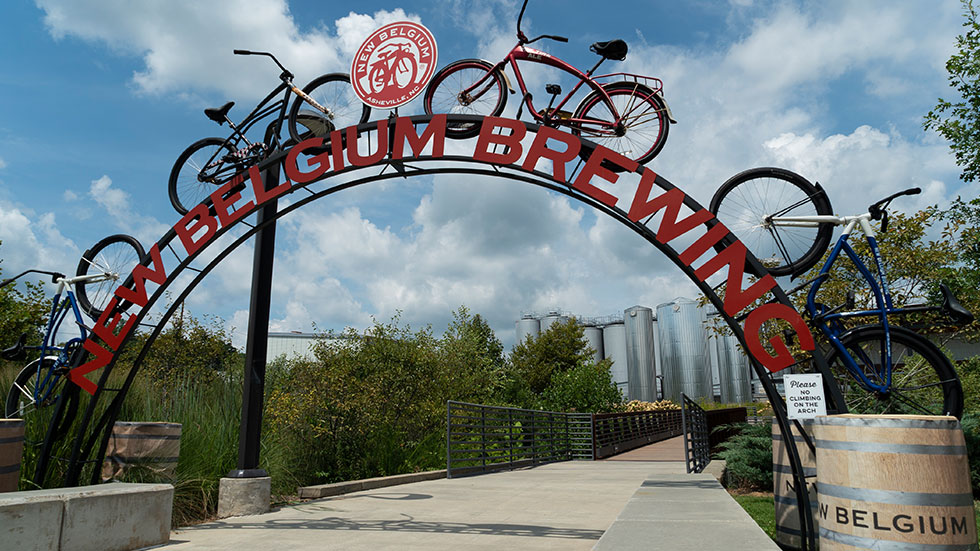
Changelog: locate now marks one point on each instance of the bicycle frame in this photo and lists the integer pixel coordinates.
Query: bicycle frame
(829, 320)
(48, 350)
(520, 52)
(261, 111)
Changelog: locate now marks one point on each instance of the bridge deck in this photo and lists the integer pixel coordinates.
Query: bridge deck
(562, 506)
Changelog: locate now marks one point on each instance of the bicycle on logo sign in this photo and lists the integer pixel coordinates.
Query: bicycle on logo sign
(396, 66)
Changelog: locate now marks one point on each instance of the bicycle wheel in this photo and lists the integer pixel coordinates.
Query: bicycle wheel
(198, 172)
(445, 94)
(333, 92)
(116, 256)
(21, 404)
(923, 382)
(377, 78)
(644, 127)
(747, 201)
(406, 70)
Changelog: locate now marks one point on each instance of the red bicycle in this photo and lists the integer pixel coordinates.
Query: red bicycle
(628, 115)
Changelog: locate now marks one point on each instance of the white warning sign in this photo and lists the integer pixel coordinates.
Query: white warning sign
(804, 395)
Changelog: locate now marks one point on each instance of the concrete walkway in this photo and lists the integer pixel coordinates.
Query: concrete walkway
(561, 506)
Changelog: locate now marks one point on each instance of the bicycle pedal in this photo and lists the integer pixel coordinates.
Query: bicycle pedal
(552, 89)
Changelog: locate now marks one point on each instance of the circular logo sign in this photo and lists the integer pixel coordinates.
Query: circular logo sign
(393, 65)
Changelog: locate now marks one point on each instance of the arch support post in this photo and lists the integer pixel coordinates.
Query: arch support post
(258, 335)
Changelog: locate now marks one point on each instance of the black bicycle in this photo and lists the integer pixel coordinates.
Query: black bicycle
(327, 103)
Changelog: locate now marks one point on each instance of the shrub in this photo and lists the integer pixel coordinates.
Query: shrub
(971, 430)
(748, 457)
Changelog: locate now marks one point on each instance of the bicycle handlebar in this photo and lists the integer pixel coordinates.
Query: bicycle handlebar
(551, 36)
(285, 72)
(878, 208)
(54, 276)
(522, 38)
(878, 212)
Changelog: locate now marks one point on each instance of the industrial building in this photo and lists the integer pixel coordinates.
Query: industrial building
(681, 348)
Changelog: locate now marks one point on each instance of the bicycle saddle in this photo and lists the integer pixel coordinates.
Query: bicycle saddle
(220, 114)
(614, 49)
(16, 352)
(953, 308)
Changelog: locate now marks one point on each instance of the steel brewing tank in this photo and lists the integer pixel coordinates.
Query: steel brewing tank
(640, 352)
(733, 369)
(614, 347)
(593, 335)
(527, 326)
(552, 317)
(683, 350)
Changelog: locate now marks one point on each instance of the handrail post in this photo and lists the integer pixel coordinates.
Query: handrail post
(449, 440)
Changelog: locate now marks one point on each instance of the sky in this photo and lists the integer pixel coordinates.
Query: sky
(99, 97)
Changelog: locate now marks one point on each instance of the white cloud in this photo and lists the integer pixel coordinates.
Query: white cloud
(124, 214)
(186, 46)
(32, 240)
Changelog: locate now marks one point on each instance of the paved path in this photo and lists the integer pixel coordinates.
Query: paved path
(629, 504)
(560, 506)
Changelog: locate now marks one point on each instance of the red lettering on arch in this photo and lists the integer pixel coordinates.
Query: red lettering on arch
(101, 359)
(539, 148)
(671, 201)
(405, 132)
(782, 358)
(736, 299)
(596, 165)
(196, 219)
(510, 141)
(106, 325)
(141, 273)
(321, 160)
(355, 157)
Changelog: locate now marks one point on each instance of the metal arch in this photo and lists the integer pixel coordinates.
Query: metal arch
(84, 444)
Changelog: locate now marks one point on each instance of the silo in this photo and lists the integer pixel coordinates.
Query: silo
(733, 370)
(614, 347)
(552, 317)
(639, 349)
(683, 350)
(527, 326)
(593, 335)
(659, 370)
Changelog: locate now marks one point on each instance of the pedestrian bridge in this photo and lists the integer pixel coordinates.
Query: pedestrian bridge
(642, 499)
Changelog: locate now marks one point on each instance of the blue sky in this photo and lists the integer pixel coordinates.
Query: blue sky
(99, 97)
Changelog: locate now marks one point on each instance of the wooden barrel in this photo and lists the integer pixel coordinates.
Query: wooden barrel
(893, 482)
(11, 451)
(150, 449)
(784, 487)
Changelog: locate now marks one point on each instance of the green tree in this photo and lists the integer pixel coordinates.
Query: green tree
(957, 120)
(22, 311)
(473, 357)
(554, 369)
(585, 388)
(188, 351)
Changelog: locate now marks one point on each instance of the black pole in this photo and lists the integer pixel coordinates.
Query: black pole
(258, 336)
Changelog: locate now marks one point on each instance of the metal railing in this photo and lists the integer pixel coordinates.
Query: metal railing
(482, 439)
(697, 449)
(618, 432)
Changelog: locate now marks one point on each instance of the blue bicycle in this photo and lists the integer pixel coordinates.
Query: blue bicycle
(44, 380)
(787, 223)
